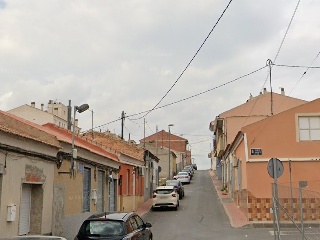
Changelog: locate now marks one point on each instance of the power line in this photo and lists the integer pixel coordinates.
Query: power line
(184, 99)
(275, 58)
(201, 93)
(298, 66)
(189, 61)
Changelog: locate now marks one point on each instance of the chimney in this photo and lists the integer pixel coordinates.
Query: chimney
(41, 106)
(282, 91)
(264, 90)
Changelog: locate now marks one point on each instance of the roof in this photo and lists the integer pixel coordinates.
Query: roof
(64, 135)
(111, 215)
(260, 105)
(165, 187)
(12, 124)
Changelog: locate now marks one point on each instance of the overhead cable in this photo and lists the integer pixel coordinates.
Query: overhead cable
(189, 61)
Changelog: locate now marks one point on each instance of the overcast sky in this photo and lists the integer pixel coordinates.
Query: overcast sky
(129, 56)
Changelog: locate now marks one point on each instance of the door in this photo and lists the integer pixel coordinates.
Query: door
(100, 193)
(86, 189)
(25, 206)
(112, 198)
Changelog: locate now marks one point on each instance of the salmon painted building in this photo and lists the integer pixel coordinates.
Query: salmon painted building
(226, 125)
(293, 137)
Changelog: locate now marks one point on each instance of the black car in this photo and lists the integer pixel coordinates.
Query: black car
(178, 186)
(116, 226)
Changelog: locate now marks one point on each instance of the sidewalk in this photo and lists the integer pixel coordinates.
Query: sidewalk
(237, 218)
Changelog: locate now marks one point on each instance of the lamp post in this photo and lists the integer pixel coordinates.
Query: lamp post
(170, 125)
(80, 109)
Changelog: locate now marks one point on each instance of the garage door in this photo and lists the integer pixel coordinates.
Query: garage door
(25, 205)
(100, 200)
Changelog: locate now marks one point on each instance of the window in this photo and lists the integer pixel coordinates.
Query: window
(309, 128)
(140, 222)
(133, 223)
(104, 228)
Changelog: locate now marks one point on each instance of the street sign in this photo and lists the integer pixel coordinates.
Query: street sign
(275, 164)
(256, 151)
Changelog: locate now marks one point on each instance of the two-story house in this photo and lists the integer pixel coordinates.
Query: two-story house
(293, 137)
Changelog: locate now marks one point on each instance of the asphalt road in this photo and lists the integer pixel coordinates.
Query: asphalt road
(200, 216)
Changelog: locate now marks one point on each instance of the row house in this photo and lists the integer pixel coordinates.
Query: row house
(248, 136)
(42, 191)
(137, 175)
(226, 125)
(293, 137)
(160, 144)
(105, 175)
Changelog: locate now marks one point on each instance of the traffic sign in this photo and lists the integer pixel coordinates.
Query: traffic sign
(275, 164)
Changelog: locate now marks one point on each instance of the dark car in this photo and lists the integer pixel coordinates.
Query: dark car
(119, 225)
(178, 186)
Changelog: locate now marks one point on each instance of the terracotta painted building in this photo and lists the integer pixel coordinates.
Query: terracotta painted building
(293, 137)
(158, 144)
(227, 124)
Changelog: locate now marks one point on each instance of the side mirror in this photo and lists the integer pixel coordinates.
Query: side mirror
(148, 225)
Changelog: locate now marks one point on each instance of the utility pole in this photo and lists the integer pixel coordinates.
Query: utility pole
(144, 133)
(269, 63)
(122, 123)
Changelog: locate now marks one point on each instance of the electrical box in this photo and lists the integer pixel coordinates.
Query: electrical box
(94, 195)
(11, 212)
(74, 153)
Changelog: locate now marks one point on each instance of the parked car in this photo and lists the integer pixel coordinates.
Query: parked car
(183, 177)
(34, 237)
(165, 196)
(115, 226)
(188, 171)
(194, 165)
(178, 186)
(190, 167)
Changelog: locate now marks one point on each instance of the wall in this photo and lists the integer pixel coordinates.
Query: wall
(36, 172)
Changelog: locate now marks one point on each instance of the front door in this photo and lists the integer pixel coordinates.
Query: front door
(25, 206)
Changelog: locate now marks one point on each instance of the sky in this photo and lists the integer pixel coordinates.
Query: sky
(162, 62)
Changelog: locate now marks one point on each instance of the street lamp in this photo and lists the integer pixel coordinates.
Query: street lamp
(78, 109)
(170, 125)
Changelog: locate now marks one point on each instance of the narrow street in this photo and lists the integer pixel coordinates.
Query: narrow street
(200, 216)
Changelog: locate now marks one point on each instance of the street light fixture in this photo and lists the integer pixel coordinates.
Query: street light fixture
(170, 125)
(78, 109)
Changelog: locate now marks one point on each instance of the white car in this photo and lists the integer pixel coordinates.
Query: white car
(165, 196)
(183, 177)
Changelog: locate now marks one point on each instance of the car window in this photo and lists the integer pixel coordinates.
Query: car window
(104, 228)
(164, 191)
(172, 183)
(133, 223)
(139, 222)
(182, 173)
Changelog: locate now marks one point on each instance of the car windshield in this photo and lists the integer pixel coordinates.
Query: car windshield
(172, 183)
(182, 173)
(104, 228)
(164, 191)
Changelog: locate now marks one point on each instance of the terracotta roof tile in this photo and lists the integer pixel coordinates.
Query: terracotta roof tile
(66, 136)
(12, 124)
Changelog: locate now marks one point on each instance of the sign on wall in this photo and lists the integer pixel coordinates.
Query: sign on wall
(256, 151)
